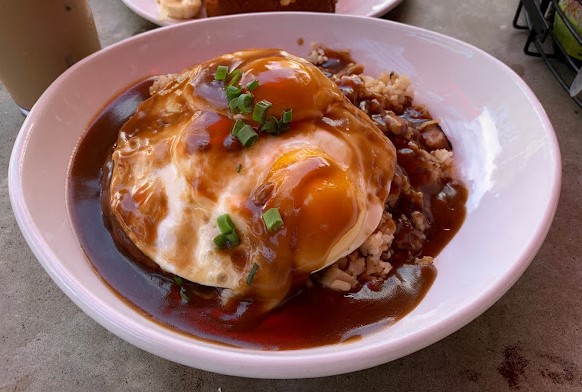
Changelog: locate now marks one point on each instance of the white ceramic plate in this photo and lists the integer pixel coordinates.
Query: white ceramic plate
(149, 9)
(505, 150)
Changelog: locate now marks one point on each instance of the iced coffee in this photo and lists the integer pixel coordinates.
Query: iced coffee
(39, 39)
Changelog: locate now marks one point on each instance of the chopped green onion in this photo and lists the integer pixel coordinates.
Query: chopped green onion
(260, 111)
(220, 240)
(238, 168)
(284, 127)
(232, 92)
(251, 86)
(271, 125)
(287, 116)
(247, 136)
(178, 279)
(272, 219)
(234, 77)
(251, 275)
(184, 296)
(221, 72)
(225, 224)
(233, 105)
(227, 240)
(227, 236)
(238, 125)
(245, 102)
(232, 238)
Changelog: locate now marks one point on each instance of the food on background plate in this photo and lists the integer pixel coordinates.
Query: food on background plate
(186, 9)
(228, 7)
(179, 9)
(268, 201)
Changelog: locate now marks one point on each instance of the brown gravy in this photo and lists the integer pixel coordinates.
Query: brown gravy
(314, 316)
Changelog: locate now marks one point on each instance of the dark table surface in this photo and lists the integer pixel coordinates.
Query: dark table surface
(530, 340)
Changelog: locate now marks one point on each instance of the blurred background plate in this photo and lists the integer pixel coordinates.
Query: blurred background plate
(149, 9)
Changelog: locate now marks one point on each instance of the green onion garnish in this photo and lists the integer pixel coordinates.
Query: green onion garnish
(184, 296)
(221, 72)
(234, 77)
(251, 86)
(238, 168)
(287, 116)
(244, 103)
(232, 92)
(284, 127)
(233, 105)
(260, 111)
(220, 240)
(247, 136)
(225, 223)
(238, 125)
(179, 281)
(227, 236)
(271, 125)
(227, 240)
(272, 219)
(232, 238)
(251, 275)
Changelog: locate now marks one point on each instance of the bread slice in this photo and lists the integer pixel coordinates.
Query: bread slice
(227, 7)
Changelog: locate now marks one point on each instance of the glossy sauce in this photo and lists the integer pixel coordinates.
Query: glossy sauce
(328, 175)
(313, 316)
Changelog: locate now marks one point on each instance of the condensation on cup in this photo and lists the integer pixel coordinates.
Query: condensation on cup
(39, 40)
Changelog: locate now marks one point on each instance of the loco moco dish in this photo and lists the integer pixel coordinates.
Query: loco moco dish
(262, 200)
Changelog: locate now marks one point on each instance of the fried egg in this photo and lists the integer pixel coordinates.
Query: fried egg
(177, 168)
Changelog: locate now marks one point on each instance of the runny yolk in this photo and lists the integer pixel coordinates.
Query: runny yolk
(318, 201)
(208, 130)
(287, 84)
(328, 211)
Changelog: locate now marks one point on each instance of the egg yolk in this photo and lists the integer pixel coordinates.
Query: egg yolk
(286, 83)
(319, 202)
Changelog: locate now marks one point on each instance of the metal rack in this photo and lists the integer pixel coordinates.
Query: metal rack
(539, 20)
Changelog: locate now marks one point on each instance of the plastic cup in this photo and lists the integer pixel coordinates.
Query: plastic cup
(39, 40)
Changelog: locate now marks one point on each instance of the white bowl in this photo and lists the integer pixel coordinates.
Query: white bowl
(505, 150)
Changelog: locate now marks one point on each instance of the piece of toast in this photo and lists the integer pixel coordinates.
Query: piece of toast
(227, 7)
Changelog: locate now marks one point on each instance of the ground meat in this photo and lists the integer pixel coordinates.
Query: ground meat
(433, 137)
(424, 168)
